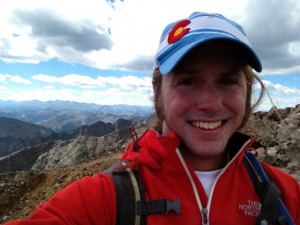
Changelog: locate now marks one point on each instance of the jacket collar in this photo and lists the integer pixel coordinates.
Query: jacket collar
(154, 148)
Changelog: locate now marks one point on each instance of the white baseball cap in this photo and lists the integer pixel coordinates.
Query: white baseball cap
(179, 37)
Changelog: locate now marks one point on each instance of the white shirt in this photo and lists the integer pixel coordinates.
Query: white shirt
(207, 179)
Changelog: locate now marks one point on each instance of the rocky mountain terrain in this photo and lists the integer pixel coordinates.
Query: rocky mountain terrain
(21, 191)
(278, 138)
(59, 163)
(64, 153)
(101, 128)
(16, 135)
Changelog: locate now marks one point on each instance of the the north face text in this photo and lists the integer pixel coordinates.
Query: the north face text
(250, 208)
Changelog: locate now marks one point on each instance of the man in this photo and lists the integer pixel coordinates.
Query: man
(202, 83)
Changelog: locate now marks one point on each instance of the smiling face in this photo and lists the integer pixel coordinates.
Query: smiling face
(203, 101)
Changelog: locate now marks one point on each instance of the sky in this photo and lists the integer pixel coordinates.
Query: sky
(102, 51)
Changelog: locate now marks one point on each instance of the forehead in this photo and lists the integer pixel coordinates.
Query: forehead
(215, 52)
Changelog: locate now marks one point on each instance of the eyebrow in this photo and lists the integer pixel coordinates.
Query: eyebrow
(185, 69)
(234, 71)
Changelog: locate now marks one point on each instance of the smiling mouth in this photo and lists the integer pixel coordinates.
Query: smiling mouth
(206, 125)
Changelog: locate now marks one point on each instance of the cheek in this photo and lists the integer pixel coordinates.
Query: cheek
(240, 102)
(235, 98)
(175, 110)
(164, 105)
(244, 93)
(240, 92)
(169, 104)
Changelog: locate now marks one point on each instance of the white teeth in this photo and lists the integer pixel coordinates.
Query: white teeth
(207, 126)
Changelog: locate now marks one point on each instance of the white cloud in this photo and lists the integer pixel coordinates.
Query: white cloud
(125, 37)
(92, 32)
(124, 82)
(104, 97)
(279, 95)
(127, 82)
(279, 102)
(35, 30)
(69, 80)
(4, 89)
(5, 78)
(137, 32)
(272, 28)
(281, 89)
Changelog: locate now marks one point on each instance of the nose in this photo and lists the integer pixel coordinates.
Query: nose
(209, 99)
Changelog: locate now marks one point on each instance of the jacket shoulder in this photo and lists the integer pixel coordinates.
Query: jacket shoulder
(289, 187)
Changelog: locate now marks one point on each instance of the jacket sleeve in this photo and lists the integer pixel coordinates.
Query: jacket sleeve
(89, 201)
(297, 205)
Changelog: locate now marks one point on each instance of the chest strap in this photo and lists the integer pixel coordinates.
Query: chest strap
(162, 206)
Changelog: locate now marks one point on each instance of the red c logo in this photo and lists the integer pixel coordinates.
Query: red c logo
(178, 31)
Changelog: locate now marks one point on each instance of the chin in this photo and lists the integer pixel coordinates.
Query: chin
(205, 150)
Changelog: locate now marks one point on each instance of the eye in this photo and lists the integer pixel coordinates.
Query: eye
(187, 81)
(229, 81)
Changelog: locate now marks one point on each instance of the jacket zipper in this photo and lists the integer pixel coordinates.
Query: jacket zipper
(205, 211)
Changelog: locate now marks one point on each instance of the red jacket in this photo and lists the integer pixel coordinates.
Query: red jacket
(233, 200)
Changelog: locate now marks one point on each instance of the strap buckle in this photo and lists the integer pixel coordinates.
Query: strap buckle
(172, 206)
(161, 206)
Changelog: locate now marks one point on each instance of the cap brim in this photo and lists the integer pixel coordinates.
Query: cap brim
(172, 60)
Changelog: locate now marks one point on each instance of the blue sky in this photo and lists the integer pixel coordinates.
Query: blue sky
(101, 51)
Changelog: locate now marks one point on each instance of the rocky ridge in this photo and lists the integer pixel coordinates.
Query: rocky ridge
(16, 135)
(63, 153)
(278, 138)
(278, 143)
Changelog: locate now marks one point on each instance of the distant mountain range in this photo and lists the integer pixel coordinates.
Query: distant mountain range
(16, 134)
(25, 124)
(67, 116)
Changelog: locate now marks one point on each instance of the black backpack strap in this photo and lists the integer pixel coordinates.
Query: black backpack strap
(161, 206)
(132, 208)
(128, 193)
(129, 190)
(272, 210)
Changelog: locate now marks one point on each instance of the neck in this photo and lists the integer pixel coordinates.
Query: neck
(200, 163)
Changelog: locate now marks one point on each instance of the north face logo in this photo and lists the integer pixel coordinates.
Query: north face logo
(250, 208)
